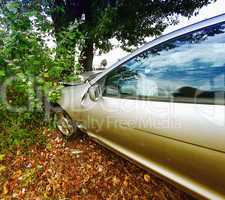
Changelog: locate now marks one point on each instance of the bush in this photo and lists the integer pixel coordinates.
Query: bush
(30, 71)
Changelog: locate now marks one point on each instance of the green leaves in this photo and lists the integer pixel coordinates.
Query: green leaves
(2, 73)
(30, 71)
(28, 57)
(13, 6)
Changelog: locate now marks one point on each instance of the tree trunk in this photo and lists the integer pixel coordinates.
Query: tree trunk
(86, 56)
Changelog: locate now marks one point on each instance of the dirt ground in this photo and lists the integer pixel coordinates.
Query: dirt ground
(77, 169)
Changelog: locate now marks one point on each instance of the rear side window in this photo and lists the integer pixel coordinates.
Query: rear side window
(190, 68)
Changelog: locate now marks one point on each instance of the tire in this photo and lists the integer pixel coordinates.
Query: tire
(65, 124)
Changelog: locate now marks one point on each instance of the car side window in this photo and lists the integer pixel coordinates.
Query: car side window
(189, 68)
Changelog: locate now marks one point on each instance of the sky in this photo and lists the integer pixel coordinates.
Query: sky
(206, 12)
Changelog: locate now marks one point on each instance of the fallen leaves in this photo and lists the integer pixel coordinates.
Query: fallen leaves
(5, 188)
(147, 178)
(27, 177)
(2, 169)
(76, 151)
(77, 169)
(2, 156)
(115, 181)
(126, 180)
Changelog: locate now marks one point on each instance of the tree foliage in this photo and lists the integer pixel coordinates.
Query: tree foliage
(129, 21)
(31, 71)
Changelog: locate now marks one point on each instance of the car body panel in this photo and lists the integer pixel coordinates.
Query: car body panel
(188, 123)
(83, 77)
(86, 75)
(183, 142)
(71, 99)
(193, 166)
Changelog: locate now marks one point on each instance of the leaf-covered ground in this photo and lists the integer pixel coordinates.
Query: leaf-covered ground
(77, 169)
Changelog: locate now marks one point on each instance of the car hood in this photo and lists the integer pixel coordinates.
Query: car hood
(83, 77)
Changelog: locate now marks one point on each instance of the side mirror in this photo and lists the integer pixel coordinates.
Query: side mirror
(95, 92)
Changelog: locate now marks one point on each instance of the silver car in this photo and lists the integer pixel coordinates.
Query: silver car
(161, 107)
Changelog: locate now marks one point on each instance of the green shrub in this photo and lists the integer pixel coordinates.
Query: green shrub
(30, 71)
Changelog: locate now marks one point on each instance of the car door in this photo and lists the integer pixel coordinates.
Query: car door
(164, 108)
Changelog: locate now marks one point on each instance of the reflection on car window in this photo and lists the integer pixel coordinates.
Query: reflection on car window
(190, 67)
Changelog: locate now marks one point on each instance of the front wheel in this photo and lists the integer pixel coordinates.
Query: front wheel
(65, 124)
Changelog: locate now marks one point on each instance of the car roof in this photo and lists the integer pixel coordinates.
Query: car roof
(166, 37)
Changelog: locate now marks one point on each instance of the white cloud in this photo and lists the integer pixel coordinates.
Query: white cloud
(185, 56)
